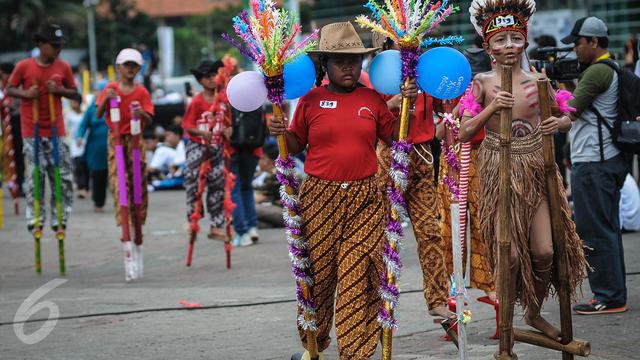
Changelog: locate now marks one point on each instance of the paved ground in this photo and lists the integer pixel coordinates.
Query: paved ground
(249, 311)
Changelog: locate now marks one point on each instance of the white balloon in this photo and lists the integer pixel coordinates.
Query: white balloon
(246, 91)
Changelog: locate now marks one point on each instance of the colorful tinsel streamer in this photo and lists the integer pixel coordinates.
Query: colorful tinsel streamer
(389, 291)
(406, 22)
(268, 36)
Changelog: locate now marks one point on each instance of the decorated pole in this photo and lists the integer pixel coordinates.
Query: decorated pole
(123, 195)
(60, 230)
(406, 23)
(10, 152)
(505, 295)
(457, 157)
(268, 35)
(37, 226)
(136, 131)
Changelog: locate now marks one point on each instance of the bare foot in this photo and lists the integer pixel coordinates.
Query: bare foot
(492, 295)
(440, 311)
(543, 325)
(217, 234)
(98, 210)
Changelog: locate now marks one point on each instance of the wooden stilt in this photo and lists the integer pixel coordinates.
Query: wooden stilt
(504, 225)
(555, 213)
(574, 347)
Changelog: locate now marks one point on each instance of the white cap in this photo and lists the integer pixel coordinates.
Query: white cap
(127, 55)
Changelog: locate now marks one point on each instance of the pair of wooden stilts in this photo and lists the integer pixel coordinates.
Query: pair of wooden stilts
(568, 346)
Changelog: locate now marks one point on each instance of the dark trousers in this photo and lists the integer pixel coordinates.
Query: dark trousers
(243, 165)
(81, 172)
(596, 195)
(99, 181)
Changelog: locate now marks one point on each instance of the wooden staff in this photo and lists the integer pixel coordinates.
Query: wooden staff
(557, 231)
(312, 342)
(504, 225)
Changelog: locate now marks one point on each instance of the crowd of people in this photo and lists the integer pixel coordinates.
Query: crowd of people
(343, 132)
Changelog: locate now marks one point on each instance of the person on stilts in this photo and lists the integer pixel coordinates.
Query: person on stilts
(503, 24)
(40, 78)
(121, 101)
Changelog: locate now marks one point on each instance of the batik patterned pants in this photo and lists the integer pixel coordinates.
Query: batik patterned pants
(197, 154)
(344, 224)
(422, 206)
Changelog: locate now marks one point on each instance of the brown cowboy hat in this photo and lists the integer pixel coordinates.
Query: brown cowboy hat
(341, 38)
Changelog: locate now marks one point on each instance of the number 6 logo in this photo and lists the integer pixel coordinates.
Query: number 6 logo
(30, 306)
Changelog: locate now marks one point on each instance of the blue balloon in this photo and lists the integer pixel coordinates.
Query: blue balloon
(385, 72)
(299, 77)
(444, 73)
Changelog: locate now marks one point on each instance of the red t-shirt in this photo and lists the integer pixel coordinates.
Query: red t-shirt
(24, 74)
(422, 127)
(139, 94)
(194, 112)
(341, 131)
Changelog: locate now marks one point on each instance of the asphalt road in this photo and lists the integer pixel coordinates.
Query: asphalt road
(248, 312)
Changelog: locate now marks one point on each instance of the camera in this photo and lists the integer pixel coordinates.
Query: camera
(556, 64)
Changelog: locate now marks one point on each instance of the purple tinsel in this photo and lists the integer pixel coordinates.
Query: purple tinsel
(450, 157)
(391, 254)
(297, 252)
(391, 289)
(395, 196)
(243, 49)
(287, 181)
(306, 304)
(409, 57)
(275, 88)
(394, 226)
(403, 146)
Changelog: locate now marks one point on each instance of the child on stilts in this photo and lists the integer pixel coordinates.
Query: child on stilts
(124, 93)
(200, 147)
(503, 24)
(39, 77)
(343, 212)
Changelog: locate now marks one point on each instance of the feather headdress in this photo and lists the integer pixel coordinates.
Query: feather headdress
(490, 17)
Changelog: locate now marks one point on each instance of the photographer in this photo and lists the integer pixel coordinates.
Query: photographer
(598, 168)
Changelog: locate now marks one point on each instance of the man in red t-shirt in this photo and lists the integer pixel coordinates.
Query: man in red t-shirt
(32, 80)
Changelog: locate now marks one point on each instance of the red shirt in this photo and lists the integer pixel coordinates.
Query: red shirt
(24, 74)
(139, 94)
(422, 127)
(341, 130)
(194, 112)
